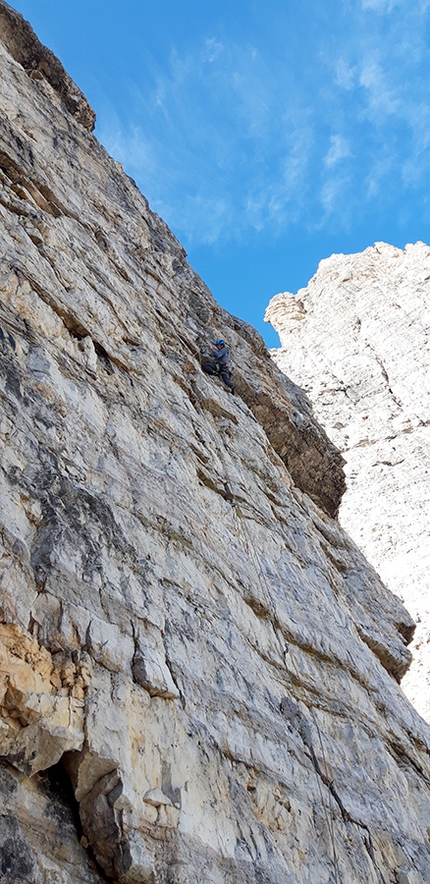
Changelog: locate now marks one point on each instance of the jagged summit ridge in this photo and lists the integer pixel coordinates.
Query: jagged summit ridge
(189, 640)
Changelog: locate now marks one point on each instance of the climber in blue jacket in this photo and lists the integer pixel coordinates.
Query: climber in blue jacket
(220, 364)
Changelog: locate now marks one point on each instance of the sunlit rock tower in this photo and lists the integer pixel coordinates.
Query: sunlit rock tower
(357, 340)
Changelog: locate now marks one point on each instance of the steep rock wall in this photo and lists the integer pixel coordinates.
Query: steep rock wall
(198, 667)
(357, 339)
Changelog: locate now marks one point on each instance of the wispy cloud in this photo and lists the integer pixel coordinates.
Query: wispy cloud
(212, 49)
(333, 198)
(380, 5)
(382, 94)
(344, 74)
(231, 135)
(339, 150)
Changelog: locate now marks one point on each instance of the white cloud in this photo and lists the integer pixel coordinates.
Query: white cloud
(339, 150)
(382, 97)
(381, 170)
(330, 193)
(205, 219)
(128, 147)
(344, 74)
(380, 5)
(232, 136)
(212, 50)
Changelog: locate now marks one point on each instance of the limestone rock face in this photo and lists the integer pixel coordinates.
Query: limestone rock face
(357, 339)
(199, 669)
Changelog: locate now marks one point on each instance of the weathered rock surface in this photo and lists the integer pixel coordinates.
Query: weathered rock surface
(357, 339)
(188, 636)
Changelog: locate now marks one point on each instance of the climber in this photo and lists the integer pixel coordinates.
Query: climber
(219, 363)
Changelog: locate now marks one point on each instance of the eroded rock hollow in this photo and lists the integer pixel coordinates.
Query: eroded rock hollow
(199, 669)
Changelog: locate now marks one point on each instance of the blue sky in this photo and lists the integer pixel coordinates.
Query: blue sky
(267, 135)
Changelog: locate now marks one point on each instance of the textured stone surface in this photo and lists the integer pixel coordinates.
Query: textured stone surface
(357, 339)
(173, 577)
